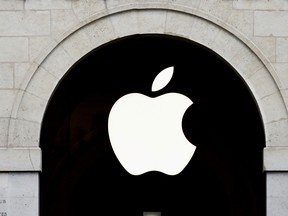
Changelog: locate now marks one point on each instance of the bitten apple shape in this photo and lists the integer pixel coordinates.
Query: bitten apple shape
(146, 133)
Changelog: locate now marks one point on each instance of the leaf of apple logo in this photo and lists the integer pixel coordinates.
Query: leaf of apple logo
(146, 133)
(162, 79)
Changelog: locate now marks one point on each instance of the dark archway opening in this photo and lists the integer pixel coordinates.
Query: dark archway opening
(82, 176)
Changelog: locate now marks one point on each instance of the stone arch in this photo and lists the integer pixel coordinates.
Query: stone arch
(65, 50)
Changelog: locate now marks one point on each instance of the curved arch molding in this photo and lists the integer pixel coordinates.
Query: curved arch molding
(69, 47)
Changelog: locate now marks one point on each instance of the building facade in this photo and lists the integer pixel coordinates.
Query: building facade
(41, 40)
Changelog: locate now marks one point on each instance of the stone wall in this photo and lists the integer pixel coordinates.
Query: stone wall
(41, 39)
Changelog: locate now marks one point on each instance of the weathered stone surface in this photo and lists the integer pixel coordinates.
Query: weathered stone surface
(14, 49)
(277, 199)
(6, 75)
(261, 5)
(23, 23)
(19, 193)
(11, 5)
(271, 23)
(40, 40)
(47, 4)
(7, 98)
(282, 50)
(4, 125)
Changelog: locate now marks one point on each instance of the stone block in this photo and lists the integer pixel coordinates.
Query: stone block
(38, 45)
(225, 45)
(179, 23)
(23, 184)
(3, 186)
(20, 159)
(32, 107)
(242, 21)
(217, 8)
(22, 194)
(100, 32)
(120, 3)
(4, 124)
(285, 96)
(277, 206)
(20, 72)
(47, 4)
(263, 83)
(23, 206)
(282, 73)
(85, 9)
(11, 4)
(271, 23)
(13, 49)
(277, 133)
(188, 3)
(246, 63)
(260, 5)
(274, 107)
(125, 23)
(23, 134)
(62, 21)
(282, 50)
(24, 23)
(267, 45)
(152, 21)
(58, 62)
(6, 75)
(77, 45)
(7, 98)
(42, 84)
(277, 193)
(275, 159)
(203, 32)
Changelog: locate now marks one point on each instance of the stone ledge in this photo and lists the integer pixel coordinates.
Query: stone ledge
(20, 159)
(276, 159)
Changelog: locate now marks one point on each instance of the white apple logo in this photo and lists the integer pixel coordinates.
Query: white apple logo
(146, 133)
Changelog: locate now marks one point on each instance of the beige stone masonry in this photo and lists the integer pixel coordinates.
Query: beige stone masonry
(48, 4)
(125, 23)
(271, 23)
(282, 73)
(177, 22)
(29, 159)
(95, 31)
(205, 30)
(4, 126)
(277, 202)
(40, 40)
(267, 45)
(261, 5)
(282, 50)
(25, 134)
(19, 193)
(11, 5)
(7, 97)
(57, 64)
(6, 76)
(14, 49)
(86, 9)
(276, 158)
(24, 23)
(61, 20)
(37, 45)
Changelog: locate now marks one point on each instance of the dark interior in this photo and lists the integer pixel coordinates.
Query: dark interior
(82, 176)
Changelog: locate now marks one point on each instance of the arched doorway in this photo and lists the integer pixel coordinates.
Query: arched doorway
(80, 171)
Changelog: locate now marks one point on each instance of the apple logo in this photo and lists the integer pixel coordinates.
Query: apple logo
(146, 133)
